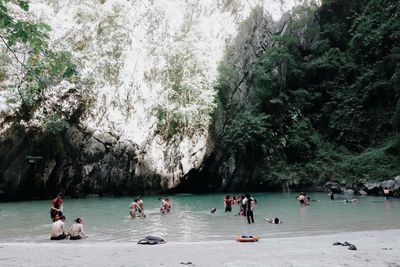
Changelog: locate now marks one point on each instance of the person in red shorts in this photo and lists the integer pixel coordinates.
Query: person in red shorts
(228, 201)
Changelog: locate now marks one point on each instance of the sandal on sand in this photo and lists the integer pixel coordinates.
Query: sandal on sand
(352, 247)
(336, 243)
(346, 243)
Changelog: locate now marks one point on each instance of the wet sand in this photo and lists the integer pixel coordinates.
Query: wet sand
(374, 248)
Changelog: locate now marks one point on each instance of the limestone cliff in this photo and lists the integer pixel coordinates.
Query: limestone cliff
(148, 70)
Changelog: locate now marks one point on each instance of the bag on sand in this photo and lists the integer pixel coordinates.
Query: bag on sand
(151, 240)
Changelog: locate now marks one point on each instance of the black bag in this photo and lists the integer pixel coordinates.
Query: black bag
(151, 240)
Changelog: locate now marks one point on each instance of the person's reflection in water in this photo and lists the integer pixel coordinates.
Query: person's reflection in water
(388, 205)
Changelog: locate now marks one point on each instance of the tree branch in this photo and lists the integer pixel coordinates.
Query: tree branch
(12, 52)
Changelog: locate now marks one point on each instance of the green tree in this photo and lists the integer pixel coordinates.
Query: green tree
(26, 43)
(323, 99)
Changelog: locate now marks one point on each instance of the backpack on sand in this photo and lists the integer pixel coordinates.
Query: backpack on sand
(151, 240)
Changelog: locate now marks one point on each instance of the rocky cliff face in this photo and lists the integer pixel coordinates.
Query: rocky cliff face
(149, 68)
(253, 38)
(233, 172)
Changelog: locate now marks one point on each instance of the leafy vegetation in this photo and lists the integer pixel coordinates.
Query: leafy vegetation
(323, 101)
(187, 106)
(32, 68)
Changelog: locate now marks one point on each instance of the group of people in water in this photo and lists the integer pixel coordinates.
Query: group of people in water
(304, 200)
(136, 209)
(246, 204)
(58, 227)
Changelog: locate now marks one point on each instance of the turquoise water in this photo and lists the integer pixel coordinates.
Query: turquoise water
(107, 219)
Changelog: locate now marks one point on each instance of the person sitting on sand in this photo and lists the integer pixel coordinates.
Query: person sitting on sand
(302, 199)
(274, 221)
(228, 203)
(76, 231)
(56, 207)
(135, 209)
(57, 229)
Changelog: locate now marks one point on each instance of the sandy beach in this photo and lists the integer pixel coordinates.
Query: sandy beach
(374, 248)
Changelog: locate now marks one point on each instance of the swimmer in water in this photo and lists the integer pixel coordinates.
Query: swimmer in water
(274, 221)
(350, 201)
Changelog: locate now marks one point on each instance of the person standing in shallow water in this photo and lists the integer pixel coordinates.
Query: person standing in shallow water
(302, 199)
(141, 204)
(163, 206)
(56, 207)
(243, 206)
(136, 208)
(228, 203)
(250, 205)
(331, 196)
(168, 205)
(387, 192)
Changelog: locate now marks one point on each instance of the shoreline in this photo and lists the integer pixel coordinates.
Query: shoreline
(374, 248)
(310, 190)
